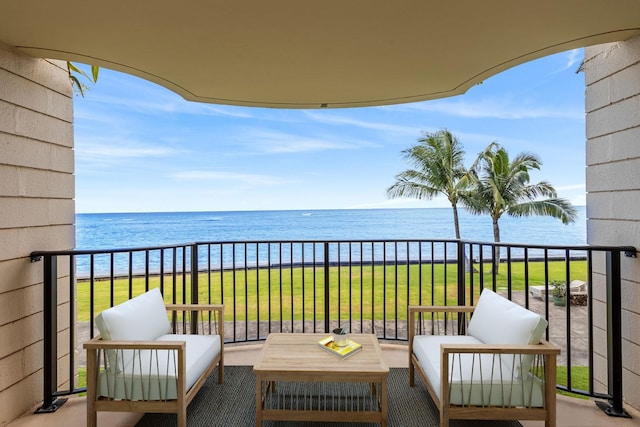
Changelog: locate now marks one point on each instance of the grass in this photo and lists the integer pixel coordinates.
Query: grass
(294, 293)
(82, 379)
(579, 380)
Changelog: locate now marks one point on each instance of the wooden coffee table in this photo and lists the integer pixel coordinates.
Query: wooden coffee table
(299, 381)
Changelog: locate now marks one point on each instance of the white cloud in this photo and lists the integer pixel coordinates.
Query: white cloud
(572, 187)
(349, 121)
(233, 177)
(274, 142)
(436, 202)
(573, 58)
(496, 108)
(117, 151)
(580, 200)
(170, 104)
(575, 193)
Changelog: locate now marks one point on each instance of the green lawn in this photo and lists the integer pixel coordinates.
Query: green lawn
(289, 293)
(579, 379)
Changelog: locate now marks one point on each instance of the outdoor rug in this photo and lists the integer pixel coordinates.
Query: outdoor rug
(233, 404)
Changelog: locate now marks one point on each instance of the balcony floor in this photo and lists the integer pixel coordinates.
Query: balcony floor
(570, 412)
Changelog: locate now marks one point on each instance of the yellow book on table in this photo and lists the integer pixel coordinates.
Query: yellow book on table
(329, 344)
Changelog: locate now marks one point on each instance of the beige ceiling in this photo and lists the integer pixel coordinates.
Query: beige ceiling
(304, 54)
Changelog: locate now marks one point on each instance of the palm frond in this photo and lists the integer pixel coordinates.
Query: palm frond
(558, 208)
(74, 72)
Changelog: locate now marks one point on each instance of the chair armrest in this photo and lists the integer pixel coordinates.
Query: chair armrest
(195, 307)
(543, 348)
(441, 308)
(443, 319)
(97, 343)
(202, 319)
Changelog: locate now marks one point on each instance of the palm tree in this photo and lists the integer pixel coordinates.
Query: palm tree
(501, 186)
(437, 170)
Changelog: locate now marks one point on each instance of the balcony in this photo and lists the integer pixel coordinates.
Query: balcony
(313, 286)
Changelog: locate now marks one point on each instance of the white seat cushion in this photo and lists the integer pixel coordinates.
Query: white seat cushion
(151, 375)
(476, 379)
(427, 350)
(496, 320)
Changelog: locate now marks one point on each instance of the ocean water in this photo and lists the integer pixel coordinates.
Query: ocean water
(138, 230)
(125, 230)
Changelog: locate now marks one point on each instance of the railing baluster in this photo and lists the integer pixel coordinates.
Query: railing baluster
(291, 299)
(526, 277)
(130, 274)
(568, 317)
(303, 267)
(246, 293)
(361, 287)
(111, 280)
(269, 281)
(280, 280)
(339, 292)
(461, 274)
(327, 326)
(614, 336)
(373, 289)
(590, 317)
(350, 287)
(258, 336)
(72, 319)
(384, 290)
(50, 336)
(315, 295)
(234, 296)
(174, 276)
(195, 271)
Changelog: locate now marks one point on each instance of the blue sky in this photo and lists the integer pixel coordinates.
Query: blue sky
(142, 148)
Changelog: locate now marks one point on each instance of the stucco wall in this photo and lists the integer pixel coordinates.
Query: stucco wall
(36, 213)
(612, 74)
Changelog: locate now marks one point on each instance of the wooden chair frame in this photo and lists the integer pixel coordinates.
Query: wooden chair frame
(96, 350)
(449, 411)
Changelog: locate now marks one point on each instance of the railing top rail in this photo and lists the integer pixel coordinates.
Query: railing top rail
(629, 251)
(603, 248)
(37, 254)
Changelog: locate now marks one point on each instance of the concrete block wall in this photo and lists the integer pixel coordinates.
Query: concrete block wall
(37, 212)
(612, 75)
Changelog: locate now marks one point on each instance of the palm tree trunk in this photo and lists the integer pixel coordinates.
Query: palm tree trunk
(456, 222)
(496, 249)
(456, 226)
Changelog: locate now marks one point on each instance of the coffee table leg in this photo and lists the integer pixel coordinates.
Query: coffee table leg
(383, 402)
(258, 401)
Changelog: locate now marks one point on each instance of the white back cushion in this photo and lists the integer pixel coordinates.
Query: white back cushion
(141, 318)
(496, 320)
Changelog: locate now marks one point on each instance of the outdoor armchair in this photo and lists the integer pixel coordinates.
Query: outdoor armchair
(143, 362)
(485, 362)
